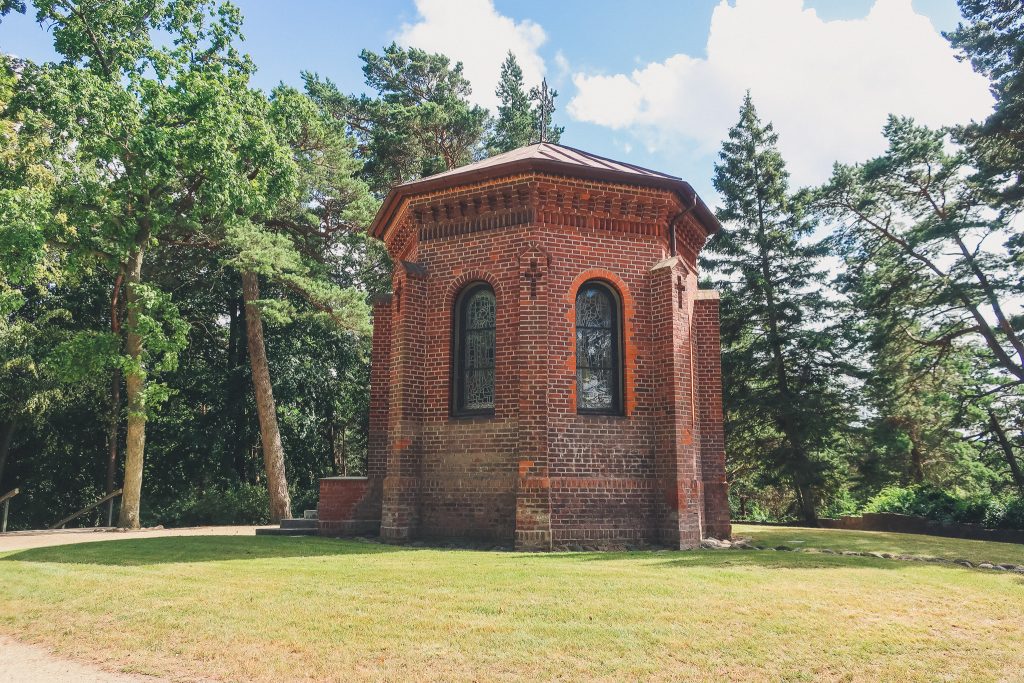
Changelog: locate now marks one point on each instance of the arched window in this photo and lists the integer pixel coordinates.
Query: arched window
(598, 349)
(473, 381)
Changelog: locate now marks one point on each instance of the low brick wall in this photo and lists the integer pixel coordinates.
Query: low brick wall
(349, 506)
(907, 524)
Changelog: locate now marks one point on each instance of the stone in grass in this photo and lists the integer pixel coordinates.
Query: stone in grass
(963, 563)
(888, 556)
(715, 544)
(783, 548)
(827, 551)
(851, 553)
(1008, 567)
(880, 556)
(985, 565)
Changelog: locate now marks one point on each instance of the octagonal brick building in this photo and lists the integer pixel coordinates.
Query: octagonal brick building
(546, 372)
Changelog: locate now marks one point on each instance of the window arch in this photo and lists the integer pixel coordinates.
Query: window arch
(598, 349)
(474, 351)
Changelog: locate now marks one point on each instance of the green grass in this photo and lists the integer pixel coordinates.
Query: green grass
(882, 542)
(264, 608)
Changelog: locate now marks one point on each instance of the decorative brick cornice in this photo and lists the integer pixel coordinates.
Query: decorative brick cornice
(542, 200)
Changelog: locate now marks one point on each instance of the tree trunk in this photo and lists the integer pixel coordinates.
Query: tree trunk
(135, 381)
(916, 457)
(270, 435)
(113, 428)
(112, 438)
(237, 362)
(1007, 448)
(6, 437)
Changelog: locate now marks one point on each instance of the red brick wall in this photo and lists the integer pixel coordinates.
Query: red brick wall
(537, 472)
(349, 505)
(709, 410)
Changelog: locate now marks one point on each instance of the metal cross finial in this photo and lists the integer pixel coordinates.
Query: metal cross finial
(543, 108)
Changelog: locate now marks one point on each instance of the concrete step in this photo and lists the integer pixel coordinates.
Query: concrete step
(286, 532)
(311, 514)
(299, 523)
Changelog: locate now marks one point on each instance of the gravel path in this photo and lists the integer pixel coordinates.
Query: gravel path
(24, 663)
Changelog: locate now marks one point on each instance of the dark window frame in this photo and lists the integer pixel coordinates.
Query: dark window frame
(617, 408)
(457, 379)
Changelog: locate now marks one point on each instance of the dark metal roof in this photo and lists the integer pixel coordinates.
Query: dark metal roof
(550, 158)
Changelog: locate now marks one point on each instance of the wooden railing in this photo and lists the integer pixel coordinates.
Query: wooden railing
(101, 501)
(6, 500)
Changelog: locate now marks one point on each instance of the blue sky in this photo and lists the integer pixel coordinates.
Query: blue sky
(652, 83)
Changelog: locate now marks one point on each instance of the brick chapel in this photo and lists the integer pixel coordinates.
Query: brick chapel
(546, 372)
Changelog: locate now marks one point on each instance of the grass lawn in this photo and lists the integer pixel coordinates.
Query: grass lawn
(266, 608)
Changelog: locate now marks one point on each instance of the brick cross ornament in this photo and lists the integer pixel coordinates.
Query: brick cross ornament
(533, 275)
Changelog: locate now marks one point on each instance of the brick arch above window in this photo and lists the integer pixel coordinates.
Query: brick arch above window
(469, 277)
(628, 350)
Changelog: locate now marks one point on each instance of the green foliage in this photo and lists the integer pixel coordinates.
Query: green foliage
(993, 41)
(514, 126)
(420, 122)
(518, 122)
(784, 407)
(944, 505)
(238, 504)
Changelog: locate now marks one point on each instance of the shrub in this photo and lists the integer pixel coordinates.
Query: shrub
(942, 506)
(240, 504)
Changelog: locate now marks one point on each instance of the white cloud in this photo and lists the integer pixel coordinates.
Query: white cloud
(827, 85)
(474, 33)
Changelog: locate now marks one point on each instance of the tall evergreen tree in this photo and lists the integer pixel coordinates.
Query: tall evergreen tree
(519, 113)
(781, 398)
(911, 409)
(923, 201)
(993, 41)
(516, 124)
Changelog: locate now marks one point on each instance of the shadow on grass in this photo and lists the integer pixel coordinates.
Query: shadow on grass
(763, 559)
(183, 549)
(177, 550)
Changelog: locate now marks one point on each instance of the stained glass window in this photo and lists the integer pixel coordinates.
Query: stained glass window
(597, 350)
(474, 346)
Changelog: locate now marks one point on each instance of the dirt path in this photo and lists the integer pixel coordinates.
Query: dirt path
(21, 540)
(25, 663)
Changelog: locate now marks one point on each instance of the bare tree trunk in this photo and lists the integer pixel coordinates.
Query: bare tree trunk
(135, 443)
(237, 367)
(270, 435)
(1007, 449)
(112, 438)
(7, 430)
(115, 399)
(916, 458)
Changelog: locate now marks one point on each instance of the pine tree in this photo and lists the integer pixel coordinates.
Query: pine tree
(923, 201)
(993, 41)
(516, 124)
(421, 121)
(913, 416)
(781, 396)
